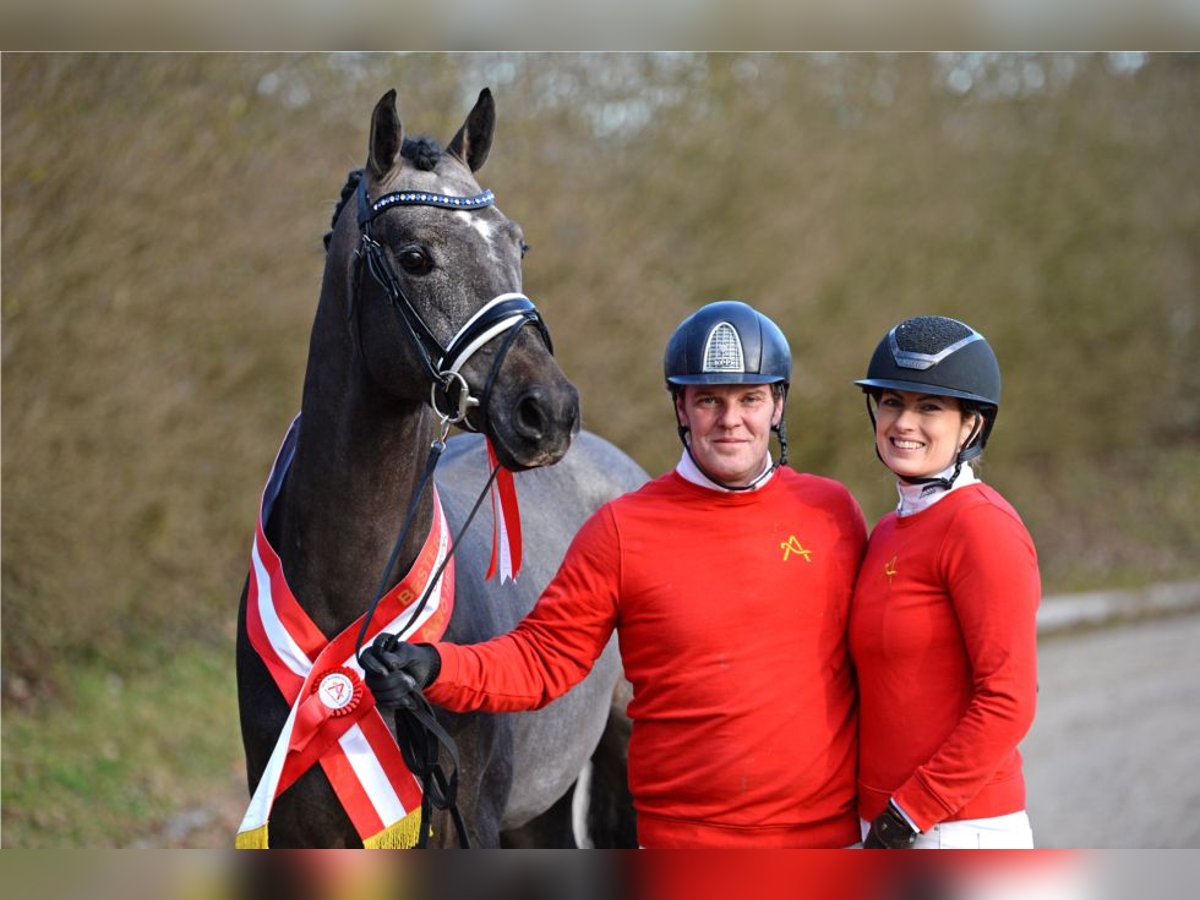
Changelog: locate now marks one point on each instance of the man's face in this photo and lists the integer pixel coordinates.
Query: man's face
(730, 428)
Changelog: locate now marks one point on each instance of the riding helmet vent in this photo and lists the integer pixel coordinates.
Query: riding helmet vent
(727, 342)
(926, 340)
(723, 350)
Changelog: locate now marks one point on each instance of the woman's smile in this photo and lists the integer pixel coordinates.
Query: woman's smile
(919, 435)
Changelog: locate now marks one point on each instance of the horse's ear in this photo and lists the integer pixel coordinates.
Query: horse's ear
(387, 136)
(474, 139)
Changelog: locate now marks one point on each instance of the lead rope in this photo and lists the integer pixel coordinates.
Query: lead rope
(435, 452)
(420, 735)
(418, 732)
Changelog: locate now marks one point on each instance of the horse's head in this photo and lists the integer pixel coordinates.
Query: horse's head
(434, 289)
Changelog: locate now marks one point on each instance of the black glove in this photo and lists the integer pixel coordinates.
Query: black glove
(394, 669)
(890, 831)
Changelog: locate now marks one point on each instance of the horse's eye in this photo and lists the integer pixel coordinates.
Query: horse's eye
(414, 262)
(525, 248)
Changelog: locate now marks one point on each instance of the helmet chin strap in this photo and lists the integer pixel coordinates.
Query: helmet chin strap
(779, 432)
(946, 483)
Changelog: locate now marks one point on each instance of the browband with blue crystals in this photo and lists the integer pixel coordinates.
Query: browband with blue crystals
(417, 198)
(420, 198)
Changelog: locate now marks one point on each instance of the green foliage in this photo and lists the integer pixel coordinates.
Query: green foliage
(113, 767)
(162, 260)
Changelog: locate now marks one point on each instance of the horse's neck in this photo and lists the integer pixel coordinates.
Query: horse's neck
(359, 460)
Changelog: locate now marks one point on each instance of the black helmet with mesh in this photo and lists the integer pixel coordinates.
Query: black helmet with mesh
(936, 355)
(727, 342)
(942, 357)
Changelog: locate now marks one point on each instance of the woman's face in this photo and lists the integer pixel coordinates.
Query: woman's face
(919, 435)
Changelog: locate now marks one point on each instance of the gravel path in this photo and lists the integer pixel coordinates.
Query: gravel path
(1113, 759)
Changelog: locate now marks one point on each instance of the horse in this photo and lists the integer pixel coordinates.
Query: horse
(418, 253)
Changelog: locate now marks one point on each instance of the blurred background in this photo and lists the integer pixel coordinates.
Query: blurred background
(162, 256)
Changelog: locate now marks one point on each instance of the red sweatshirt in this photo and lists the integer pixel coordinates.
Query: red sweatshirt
(944, 637)
(731, 610)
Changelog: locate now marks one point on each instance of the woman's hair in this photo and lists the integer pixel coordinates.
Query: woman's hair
(972, 407)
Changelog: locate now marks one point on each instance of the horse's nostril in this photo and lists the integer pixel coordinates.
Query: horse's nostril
(531, 417)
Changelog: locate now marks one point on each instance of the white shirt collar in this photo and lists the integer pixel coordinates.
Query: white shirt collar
(916, 497)
(689, 471)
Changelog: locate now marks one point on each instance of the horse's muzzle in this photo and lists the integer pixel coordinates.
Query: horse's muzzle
(537, 427)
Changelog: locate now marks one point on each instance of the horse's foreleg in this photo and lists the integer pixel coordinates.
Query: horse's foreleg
(307, 814)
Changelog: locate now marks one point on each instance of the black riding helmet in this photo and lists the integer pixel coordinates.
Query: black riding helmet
(728, 342)
(942, 357)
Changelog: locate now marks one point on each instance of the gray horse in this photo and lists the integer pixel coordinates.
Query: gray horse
(377, 364)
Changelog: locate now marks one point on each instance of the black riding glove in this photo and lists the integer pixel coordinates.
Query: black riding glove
(394, 669)
(890, 831)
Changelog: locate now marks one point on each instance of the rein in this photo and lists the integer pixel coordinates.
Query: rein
(418, 732)
(417, 728)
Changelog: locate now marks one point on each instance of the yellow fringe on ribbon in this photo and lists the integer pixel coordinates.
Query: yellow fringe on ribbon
(400, 835)
(255, 839)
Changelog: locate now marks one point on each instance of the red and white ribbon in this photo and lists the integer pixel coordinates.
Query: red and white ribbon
(506, 522)
(333, 720)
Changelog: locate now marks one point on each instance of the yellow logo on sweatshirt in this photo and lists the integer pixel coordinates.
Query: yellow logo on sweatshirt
(889, 569)
(792, 545)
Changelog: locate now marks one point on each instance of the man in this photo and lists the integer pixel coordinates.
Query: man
(728, 581)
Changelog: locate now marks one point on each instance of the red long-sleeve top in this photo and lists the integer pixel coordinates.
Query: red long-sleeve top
(731, 610)
(944, 638)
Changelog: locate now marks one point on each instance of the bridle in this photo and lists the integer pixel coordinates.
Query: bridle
(418, 730)
(503, 315)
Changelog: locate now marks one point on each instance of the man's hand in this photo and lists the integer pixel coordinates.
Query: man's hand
(394, 669)
(890, 831)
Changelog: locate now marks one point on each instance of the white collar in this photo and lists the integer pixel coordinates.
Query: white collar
(916, 497)
(689, 471)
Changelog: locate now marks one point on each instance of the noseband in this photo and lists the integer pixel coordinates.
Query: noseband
(502, 315)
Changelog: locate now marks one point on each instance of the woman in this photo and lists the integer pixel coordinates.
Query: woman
(942, 627)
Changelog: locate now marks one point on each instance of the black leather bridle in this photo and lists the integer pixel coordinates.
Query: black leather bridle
(504, 315)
